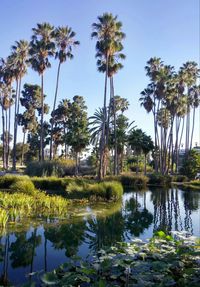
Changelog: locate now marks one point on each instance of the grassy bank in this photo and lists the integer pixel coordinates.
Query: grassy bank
(162, 261)
(17, 205)
(69, 188)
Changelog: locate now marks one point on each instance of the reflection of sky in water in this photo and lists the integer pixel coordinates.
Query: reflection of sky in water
(89, 228)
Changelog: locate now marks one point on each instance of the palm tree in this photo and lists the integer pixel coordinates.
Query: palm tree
(65, 42)
(41, 48)
(108, 33)
(18, 61)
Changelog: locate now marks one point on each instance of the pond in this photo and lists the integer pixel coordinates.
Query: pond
(41, 245)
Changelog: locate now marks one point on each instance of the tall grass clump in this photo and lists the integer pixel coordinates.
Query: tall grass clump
(57, 168)
(19, 205)
(131, 181)
(3, 217)
(7, 180)
(95, 191)
(24, 186)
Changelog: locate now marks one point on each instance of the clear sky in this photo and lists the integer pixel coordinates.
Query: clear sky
(168, 29)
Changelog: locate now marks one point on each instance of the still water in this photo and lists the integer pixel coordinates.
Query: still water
(41, 245)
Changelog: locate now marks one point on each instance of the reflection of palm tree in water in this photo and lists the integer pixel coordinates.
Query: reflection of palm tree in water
(191, 203)
(4, 277)
(166, 210)
(105, 231)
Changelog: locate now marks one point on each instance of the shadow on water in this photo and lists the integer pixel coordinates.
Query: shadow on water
(45, 245)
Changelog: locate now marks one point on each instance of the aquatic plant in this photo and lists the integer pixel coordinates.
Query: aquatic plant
(163, 261)
(19, 205)
(3, 218)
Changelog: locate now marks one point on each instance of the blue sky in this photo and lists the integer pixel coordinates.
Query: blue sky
(163, 28)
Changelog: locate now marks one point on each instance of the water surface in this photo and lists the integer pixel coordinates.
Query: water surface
(36, 245)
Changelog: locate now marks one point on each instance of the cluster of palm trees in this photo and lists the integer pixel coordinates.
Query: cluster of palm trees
(109, 35)
(172, 98)
(46, 42)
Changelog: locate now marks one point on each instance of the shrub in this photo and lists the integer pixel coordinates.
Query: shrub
(49, 183)
(191, 164)
(129, 180)
(103, 190)
(58, 168)
(7, 180)
(159, 179)
(179, 178)
(24, 186)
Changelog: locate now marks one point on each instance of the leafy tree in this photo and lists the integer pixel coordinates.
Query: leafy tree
(31, 101)
(140, 143)
(61, 116)
(191, 164)
(77, 134)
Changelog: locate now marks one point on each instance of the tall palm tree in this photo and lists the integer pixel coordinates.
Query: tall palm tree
(65, 42)
(189, 73)
(18, 61)
(108, 33)
(42, 47)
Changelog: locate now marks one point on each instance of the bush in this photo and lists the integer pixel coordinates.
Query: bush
(24, 186)
(59, 168)
(179, 178)
(159, 179)
(191, 164)
(129, 180)
(7, 180)
(103, 190)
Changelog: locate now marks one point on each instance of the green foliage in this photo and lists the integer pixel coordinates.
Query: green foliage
(159, 179)
(77, 135)
(161, 262)
(57, 168)
(25, 186)
(129, 180)
(18, 205)
(7, 180)
(179, 178)
(103, 190)
(51, 183)
(191, 164)
(3, 218)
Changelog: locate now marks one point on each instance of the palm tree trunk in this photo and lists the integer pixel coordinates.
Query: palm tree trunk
(193, 122)
(4, 140)
(54, 106)
(76, 168)
(9, 119)
(102, 144)
(145, 164)
(116, 171)
(22, 158)
(42, 121)
(7, 138)
(15, 123)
